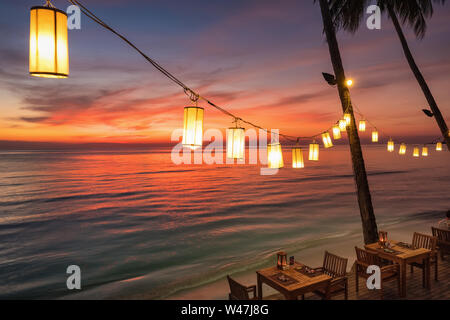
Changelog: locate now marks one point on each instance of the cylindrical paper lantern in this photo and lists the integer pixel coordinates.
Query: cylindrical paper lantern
(235, 143)
(327, 143)
(347, 118)
(314, 152)
(375, 136)
(49, 49)
(275, 156)
(402, 149)
(362, 125)
(390, 146)
(336, 132)
(297, 158)
(193, 127)
(342, 125)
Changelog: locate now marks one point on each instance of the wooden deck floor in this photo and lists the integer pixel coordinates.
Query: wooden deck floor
(440, 290)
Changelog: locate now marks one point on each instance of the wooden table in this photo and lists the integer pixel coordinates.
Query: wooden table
(406, 256)
(292, 291)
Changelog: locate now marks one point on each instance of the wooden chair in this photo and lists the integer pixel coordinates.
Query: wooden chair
(364, 259)
(335, 267)
(443, 240)
(239, 291)
(428, 242)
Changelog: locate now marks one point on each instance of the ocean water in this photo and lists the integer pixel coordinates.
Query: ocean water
(140, 226)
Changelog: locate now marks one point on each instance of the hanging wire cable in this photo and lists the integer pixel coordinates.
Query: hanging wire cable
(193, 95)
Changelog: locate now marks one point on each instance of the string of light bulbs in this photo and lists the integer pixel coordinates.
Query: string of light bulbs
(193, 115)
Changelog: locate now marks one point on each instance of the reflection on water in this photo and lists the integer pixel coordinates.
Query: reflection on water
(134, 218)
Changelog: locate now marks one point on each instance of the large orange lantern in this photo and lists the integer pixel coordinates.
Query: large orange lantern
(49, 49)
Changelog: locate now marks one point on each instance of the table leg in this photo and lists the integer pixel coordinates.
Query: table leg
(259, 282)
(427, 272)
(403, 278)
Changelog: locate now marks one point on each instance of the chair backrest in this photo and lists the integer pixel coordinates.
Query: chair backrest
(440, 234)
(237, 290)
(367, 257)
(425, 241)
(334, 266)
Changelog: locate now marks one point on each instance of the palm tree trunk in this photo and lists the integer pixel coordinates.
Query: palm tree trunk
(369, 224)
(420, 79)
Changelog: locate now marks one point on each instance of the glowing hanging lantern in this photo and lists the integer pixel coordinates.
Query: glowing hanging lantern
(327, 143)
(390, 146)
(402, 149)
(416, 152)
(362, 125)
(375, 136)
(425, 152)
(314, 151)
(235, 143)
(347, 118)
(439, 146)
(275, 156)
(49, 50)
(193, 127)
(297, 158)
(342, 125)
(336, 132)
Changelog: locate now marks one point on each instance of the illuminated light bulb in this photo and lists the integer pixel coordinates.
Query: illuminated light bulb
(425, 152)
(327, 143)
(336, 132)
(297, 158)
(349, 82)
(342, 125)
(235, 143)
(275, 156)
(375, 136)
(402, 149)
(390, 146)
(193, 127)
(49, 48)
(347, 118)
(314, 151)
(416, 152)
(362, 125)
(439, 146)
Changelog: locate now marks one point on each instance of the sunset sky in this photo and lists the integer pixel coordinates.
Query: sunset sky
(261, 59)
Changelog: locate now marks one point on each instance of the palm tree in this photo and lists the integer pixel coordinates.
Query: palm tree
(347, 14)
(364, 198)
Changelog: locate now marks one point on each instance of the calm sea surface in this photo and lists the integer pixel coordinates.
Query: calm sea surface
(135, 222)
